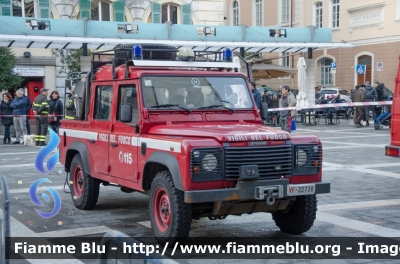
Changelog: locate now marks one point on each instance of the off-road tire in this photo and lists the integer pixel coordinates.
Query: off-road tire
(84, 188)
(298, 217)
(156, 55)
(180, 213)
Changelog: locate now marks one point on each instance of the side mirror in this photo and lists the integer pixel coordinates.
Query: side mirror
(264, 110)
(125, 113)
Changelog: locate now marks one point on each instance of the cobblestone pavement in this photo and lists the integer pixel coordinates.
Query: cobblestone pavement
(364, 199)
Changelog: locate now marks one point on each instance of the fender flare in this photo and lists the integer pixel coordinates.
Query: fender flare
(82, 150)
(171, 163)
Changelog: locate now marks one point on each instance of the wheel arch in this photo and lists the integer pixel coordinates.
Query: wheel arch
(75, 148)
(160, 161)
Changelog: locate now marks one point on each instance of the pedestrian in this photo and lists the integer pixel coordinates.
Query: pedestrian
(5, 109)
(359, 96)
(70, 110)
(266, 98)
(352, 93)
(41, 107)
(287, 100)
(370, 96)
(19, 106)
(28, 109)
(55, 109)
(256, 94)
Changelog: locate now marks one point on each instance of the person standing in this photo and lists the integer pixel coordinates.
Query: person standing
(70, 110)
(28, 108)
(41, 107)
(287, 100)
(359, 96)
(19, 105)
(266, 98)
(5, 109)
(352, 93)
(55, 108)
(370, 96)
(256, 94)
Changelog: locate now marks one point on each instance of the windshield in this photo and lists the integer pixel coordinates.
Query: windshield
(196, 92)
(328, 92)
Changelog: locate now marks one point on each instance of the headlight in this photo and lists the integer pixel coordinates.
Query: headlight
(301, 157)
(209, 162)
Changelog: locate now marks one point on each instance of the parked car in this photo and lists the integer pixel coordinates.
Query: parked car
(332, 92)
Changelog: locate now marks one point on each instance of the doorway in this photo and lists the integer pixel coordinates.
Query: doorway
(365, 60)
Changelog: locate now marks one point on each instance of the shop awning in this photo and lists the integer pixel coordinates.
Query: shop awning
(17, 32)
(268, 71)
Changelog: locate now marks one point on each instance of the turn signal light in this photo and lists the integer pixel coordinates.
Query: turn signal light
(315, 163)
(196, 169)
(393, 152)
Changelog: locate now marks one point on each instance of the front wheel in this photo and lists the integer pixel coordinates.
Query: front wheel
(84, 188)
(170, 216)
(299, 216)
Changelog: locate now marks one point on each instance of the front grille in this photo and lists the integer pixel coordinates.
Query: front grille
(268, 159)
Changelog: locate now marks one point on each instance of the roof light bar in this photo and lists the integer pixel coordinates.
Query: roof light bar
(137, 52)
(227, 55)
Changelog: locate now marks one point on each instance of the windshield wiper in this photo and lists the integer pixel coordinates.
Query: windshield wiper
(214, 106)
(170, 105)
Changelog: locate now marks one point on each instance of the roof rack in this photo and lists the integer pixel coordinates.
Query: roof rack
(161, 56)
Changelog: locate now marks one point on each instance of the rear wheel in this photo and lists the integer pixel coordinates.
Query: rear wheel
(170, 216)
(84, 188)
(299, 216)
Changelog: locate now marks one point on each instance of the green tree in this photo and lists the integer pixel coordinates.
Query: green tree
(71, 59)
(8, 78)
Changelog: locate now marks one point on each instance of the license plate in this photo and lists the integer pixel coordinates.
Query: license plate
(300, 189)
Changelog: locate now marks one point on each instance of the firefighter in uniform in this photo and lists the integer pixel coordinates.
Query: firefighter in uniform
(70, 108)
(41, 107)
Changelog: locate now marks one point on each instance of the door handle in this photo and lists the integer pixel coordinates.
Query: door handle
(91, 141)
(113, 144)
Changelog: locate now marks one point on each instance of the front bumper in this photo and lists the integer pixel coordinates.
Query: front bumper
(244, 191)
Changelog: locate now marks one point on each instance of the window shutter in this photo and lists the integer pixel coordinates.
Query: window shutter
(186, 14)
(119, 11)
(44, 8)
(156, 12)
(85, 6)
(5, 8)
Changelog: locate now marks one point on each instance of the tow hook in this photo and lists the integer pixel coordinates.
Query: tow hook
(268, 193)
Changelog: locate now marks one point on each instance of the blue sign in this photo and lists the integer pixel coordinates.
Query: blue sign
(333, 65)
(361, 69)
(46, 168)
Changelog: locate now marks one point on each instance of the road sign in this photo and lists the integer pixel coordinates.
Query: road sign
(333, 70)
(379, 66)
(333, 65)
(361, 69)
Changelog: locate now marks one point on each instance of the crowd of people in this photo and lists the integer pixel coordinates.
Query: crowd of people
(48, 111)
(368, 93)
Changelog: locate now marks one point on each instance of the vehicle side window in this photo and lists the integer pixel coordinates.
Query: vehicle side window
(103, 102)
(342, 92)
(128, 95)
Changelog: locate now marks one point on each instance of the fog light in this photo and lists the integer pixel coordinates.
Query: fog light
(209, 162)
(301, 158)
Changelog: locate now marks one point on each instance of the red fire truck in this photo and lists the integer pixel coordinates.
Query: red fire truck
(393, 149)
(186, 132)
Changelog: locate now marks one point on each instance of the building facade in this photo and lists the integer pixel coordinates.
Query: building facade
(372, 26)
(42, 69)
